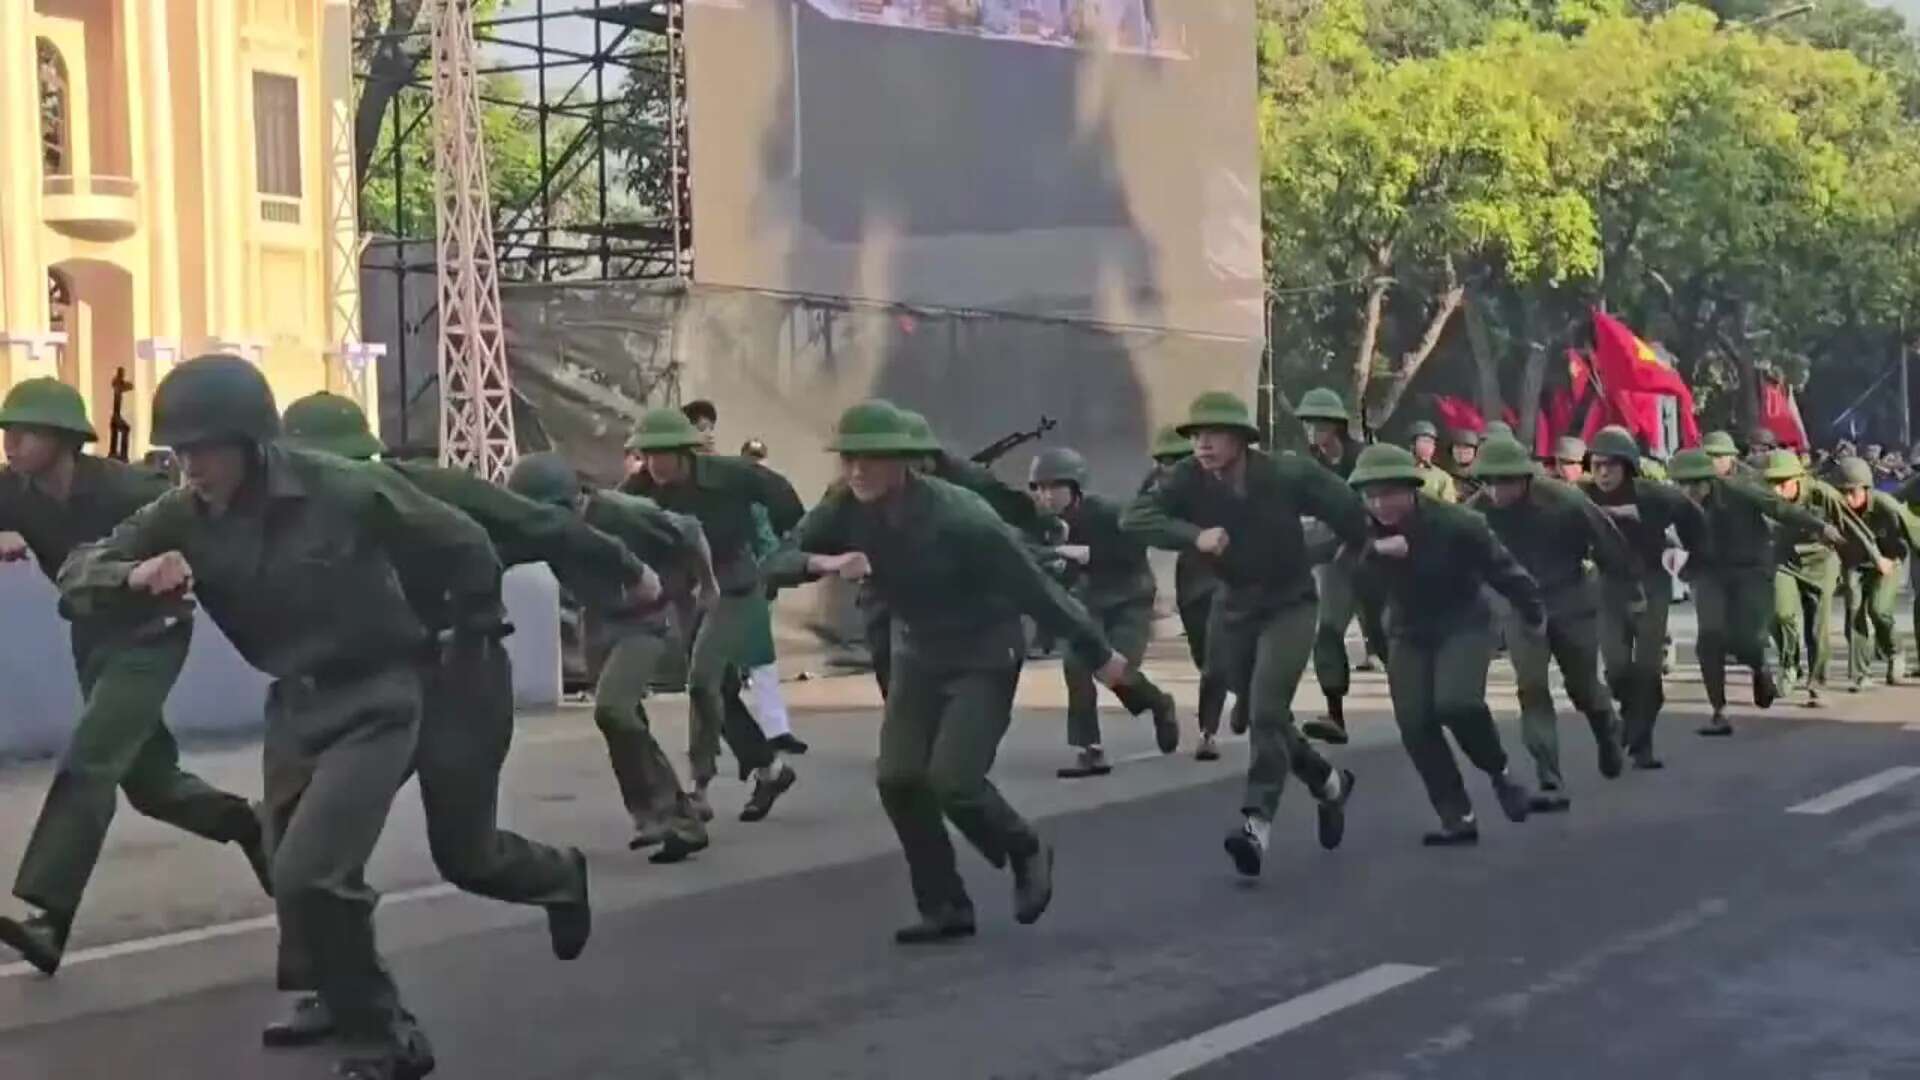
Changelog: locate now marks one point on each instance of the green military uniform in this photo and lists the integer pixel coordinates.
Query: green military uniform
(1435, 482)
(1731, 574)
(1116, 587)
(466, 717)
(126, 668)
(1463, 482)
(956, 580)
(1808, 573)
(1441, 628)
(1264, 620)
(1553, 530)
(1194, 588)
(302, 572)
(1340, 600)
(1869, 595)
(720, 493)
(1633, 640)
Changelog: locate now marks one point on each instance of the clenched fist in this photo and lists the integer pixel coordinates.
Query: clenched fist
(13, 547)
(1392, 547)
(162, 575)
(1211, 541)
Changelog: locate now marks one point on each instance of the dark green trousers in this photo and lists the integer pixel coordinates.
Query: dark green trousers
(466, 730)
(335, 755)
(1440, 686)
(121, 743)
(1871, 599)
(1803, 615)
(713, 689)
(1260, 654)
(938, 738)
(1570, 640)
(1195, 605)
(1633, 647)
(1128, 626)
(1340, 601)
(1735, 608)
(649, 788)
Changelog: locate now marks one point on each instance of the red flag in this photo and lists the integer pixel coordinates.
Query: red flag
(1458, 414)
(1626, 365)
(1780, 414)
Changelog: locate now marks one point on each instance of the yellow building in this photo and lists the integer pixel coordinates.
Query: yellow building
(177, 179)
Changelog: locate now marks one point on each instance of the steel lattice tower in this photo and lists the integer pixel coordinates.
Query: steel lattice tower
(476, 389)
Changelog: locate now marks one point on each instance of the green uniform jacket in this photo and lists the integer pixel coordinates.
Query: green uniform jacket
(105, 492)
(668, 542)
(1438, 588)
(1464, 486)
(1193, 577)
(1014, 506)
(1117, 572)
(1801, 543)
(955, 576)
(1553, 531)
(1896, 532)
(521, 531)
(303, 571)
(1660, 507)
(1438, 483)
(1739, 527)
(1266, 562)
(1349, 450)
(721, 493)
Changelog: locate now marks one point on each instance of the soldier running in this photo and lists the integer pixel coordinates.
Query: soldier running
(1435, 562)
(1809, 567)
(1329, 443)
(1195, 586)
(53, 498)
(1872, 591)
(1242, 509)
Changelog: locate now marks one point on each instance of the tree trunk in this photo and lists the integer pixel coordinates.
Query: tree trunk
(1746, 398)
(1533, 378)
(1485, 365)
(1411, 362)
(390, 63)
(1377, 286)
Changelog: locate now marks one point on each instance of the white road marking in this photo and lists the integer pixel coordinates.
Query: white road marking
(178, 938)
(1210, 1046)
(1846, 795)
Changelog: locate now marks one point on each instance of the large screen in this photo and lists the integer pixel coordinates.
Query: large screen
(1080, 159)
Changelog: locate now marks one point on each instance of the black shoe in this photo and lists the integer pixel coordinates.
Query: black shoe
(1325, 729)
(1766, 689)
(40, 940)
(309, 1024)
(1032, 884)
(677, 848)
(1244, 847)
(1549, 801)
(1646, 762)
(1092, 761)
(1208, 750)
(788, 744)
(1166, 731)
(766, 792)
(1332, 813)
(410, 1058)
(1606, 735)
(570, 924)
(1813, 699)
(1240, 719)
(1453, 834)
(650, 834)
(1717, 727)
(946, 925)
(1513, 798)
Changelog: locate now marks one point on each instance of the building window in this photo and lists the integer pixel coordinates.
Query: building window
(276, 134)
(53, 109)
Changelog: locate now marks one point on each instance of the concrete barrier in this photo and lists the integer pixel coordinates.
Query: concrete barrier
(218, 692)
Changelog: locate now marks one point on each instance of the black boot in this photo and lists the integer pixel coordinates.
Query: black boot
(408, 1057)
(1241, 718)
(947, 924)
(1332, 813)
(788, 744)
(1032, 884)
(40, 940)
(766, 792)
(310, 1022)
(1331, 728)
(1513, 797)
(1606, 736)
(1166, 730)
(1461, 833)
(1549, 800)
(1717, 726)
(1091, 761)
(570, 924)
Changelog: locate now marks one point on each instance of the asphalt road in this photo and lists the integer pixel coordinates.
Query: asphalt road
(1744, 913)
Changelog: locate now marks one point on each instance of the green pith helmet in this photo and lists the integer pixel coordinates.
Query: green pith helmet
(1220, 409)
(1321, 403)
(1423, 429)
(1385, 463)
(47, 403)
(1058, 465)
(1503, 458)
(665, 429)
(1856, 473)
(1691, 465)
(1617, 443)
(1169, 443)
(919, 429)
(214, 399)
(874, 428)
(545, 478)
(1784, 465)
(1466, 437)
(1568, 448)
(1719, 444)
(1498, 429)
(330, 424)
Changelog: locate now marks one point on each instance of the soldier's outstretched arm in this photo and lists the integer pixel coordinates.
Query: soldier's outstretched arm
(771, 490)
(418, 530)
(1610, 551)
(1772, 506)
(524, 531)
(1014, 506)
(1329, 499)
(1509, 578)
(1909, 521)
(1158, 515)
(821, 531)
(1003, 561)
(93, 580)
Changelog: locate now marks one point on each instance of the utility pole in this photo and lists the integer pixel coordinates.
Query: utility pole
(1906, 402)
(476, 391)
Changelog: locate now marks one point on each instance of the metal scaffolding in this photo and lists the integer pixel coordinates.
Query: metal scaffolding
(601, 95)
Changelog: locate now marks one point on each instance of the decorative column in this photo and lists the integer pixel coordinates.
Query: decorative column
(23, 273)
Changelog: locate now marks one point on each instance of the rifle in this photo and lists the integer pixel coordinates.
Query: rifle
(1001, 446)
(119, 432)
